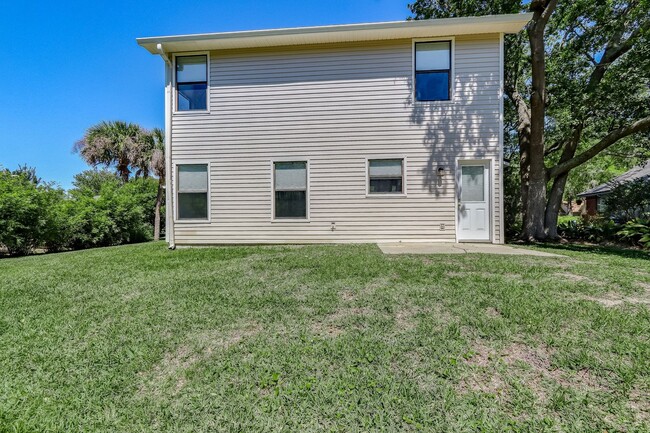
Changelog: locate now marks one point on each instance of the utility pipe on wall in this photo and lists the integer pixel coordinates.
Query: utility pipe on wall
(169, 206)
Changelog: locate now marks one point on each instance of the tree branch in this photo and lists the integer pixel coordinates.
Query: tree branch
(614, 49)
(604, 143)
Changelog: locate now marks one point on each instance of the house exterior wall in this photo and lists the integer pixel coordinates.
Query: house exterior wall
(336, 106)
(592, 205)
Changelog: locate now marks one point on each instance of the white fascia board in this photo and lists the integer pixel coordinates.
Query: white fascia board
(512, 23)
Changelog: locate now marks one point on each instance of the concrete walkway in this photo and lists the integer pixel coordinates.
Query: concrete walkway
(464, 248)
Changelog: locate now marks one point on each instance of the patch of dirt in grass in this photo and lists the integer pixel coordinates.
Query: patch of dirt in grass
(639, 403)
(405, 318)
(466, 274)
(131, 295)
(330, 325)
(575, 278)
(615, 299)
(199, 346)
(326, 329)
(530, 365)
(348, 296)
(643, 285)
(481, 354)
(377, 283)
(492, 312)
(484, 381)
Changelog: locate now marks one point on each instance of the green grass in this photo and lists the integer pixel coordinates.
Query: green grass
(324, 338)
(562, 219)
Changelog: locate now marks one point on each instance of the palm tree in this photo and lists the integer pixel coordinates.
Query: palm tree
(130, 148)
(157, 166)
(115, 143)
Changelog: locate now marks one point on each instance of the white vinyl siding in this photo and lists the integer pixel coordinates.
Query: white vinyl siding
(338, 105)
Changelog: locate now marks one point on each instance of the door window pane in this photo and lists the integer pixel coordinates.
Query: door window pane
(472, 183)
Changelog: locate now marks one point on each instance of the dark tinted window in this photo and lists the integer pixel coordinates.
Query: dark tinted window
(291, 204)
(432, 71)
(192, 83)
(290, 182)
(192, 191)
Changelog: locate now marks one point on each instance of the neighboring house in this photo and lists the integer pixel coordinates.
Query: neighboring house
(576, 208)
(352, 133)
(595, 197)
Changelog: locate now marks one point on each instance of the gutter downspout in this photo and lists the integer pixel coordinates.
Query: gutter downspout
(169, 205)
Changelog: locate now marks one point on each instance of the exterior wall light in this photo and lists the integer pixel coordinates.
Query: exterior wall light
(441, 171)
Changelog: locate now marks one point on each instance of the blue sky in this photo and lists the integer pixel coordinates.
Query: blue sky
(68, 65)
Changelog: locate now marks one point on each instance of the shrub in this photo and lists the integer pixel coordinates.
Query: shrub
(119, 213)
(637, 232)
(629, 200)
(26, 220)
(592, 230)
(99, 211)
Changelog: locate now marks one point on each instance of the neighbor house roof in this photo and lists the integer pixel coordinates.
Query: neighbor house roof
(642, 171)
(512, 23)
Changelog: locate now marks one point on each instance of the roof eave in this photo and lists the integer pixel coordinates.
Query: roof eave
(512, 23)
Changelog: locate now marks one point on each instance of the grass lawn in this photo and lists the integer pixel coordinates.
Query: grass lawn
(323, 338)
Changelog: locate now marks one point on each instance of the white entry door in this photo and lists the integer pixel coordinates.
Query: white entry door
(474, 201)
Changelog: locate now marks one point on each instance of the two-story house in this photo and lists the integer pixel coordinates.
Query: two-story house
(378, 132)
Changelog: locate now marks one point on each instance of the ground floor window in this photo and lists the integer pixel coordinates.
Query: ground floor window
(192, 197)
(290, 189)
(385, 176)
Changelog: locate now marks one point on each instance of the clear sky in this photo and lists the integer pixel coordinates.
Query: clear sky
(65, 66)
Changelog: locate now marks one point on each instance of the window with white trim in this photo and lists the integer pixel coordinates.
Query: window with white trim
(290, 189)
(192, 82)
(385, 176)
(433, 71)
(192, 195)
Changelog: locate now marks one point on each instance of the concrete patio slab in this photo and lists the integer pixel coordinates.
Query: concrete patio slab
(453, 248)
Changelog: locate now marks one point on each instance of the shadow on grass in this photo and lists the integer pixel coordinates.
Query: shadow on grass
(598, 249)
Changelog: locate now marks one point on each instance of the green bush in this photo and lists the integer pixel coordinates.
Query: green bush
(26, 220)
(117, 214)
(637, 232)
(629, 200)
(592, 230)
(99, 211)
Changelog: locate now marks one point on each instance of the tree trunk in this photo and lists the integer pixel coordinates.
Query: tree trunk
(159, 198)
(553, 206)
(524, 171)
(559, 183)
(536, 197)
(123, 170)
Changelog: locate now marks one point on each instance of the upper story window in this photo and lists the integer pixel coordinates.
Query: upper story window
(433, 71)
(191, 83)
(385, 176)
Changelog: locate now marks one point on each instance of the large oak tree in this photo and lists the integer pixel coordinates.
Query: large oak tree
(578, 81)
